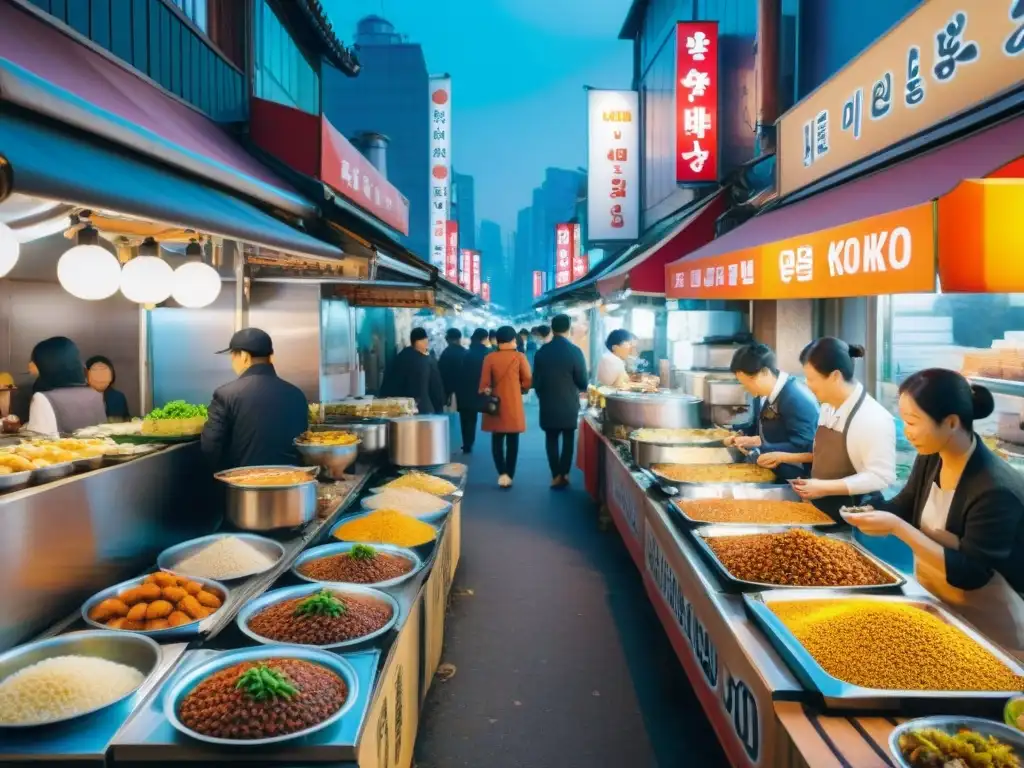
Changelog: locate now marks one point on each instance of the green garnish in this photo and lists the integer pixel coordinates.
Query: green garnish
(323, 603)
(261, 683)
(362, 552)
(178, 409)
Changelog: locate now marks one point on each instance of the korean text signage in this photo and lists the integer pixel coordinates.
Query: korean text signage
(451, 250)
(563, 254)
(580, 260)
(538, 284)
(466, 268)
(475, 275)
(344, 169)
(697, 137)
(485, 291)
(440, 96)
(626, 502)
(613, 166)
(890, 253)
(946, 57)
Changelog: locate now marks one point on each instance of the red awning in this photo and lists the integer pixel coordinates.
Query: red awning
(645, 273)
(48, 72)
(904, 185)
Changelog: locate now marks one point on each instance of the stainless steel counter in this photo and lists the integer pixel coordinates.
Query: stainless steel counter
(64, 541)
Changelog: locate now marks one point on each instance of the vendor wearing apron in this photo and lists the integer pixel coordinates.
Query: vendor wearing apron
(854, 454)
(962, 510)
(785, 412)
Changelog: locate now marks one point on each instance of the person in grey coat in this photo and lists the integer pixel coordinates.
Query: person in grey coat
(559, 376)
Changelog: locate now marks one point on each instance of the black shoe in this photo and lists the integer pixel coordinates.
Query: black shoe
(467, 450)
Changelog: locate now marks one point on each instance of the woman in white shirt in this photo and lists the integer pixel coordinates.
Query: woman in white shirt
(854, 455)
(62, 401)
(611, 370)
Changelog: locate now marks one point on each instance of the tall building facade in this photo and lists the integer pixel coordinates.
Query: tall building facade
(493, 268)
(465, 213)
(390, 96)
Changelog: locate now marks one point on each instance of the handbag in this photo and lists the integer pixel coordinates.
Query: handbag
(490, 404)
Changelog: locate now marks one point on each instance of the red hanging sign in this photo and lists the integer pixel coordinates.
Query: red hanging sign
(485, 291)
(451, 250)
(538, 284)
(466, 268)
(476, 273)
(697, 135)
(563, 254)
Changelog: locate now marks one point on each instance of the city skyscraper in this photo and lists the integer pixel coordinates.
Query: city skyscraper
(493, 266)
(389, 97)
(465, 208)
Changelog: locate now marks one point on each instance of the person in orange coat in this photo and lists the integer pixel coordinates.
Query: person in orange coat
(506, 374)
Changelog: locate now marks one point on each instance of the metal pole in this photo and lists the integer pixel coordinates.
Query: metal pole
(241, 288)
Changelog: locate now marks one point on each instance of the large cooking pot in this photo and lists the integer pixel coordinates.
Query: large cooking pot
(269, 507)
(372, 432)
(419, 441)
(662, 409)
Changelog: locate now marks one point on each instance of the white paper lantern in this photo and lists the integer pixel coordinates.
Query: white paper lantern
(9, 249)
(196, 285)
(147, 280)
(89, 272)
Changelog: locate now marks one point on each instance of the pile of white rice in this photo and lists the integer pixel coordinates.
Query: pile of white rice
(227, 558)
(407, 500)
(62, 687)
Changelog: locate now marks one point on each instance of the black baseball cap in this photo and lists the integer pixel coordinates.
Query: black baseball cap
(255, 341)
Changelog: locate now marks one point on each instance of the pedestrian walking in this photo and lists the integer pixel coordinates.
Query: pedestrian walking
(560, 374)
(414, 374)
(505, 375)
(467, 397)
(450, 364)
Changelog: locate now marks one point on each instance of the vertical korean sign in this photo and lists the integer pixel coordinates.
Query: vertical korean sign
(613, 166)
(580, 261)
(451, 250)
(466, 268)
(697, 137)
(475, 281)
(538, 284)
(440, 95)
(485, 291)
(563, 254)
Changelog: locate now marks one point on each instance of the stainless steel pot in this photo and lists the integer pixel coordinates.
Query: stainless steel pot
(419, 441)
(667, 410)
(645, 454)
(269, 507)
(727, 392)
(373, 434)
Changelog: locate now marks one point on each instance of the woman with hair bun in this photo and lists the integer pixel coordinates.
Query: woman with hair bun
(962, 510)
(854, 455)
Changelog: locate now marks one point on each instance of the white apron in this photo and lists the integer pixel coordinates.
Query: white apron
(996, 610)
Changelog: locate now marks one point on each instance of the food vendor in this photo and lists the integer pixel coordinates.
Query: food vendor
(254, 420)
(785, 412)
(62, 401)
(611, 370)
(962, 509)
(854, 453)
(100, 375)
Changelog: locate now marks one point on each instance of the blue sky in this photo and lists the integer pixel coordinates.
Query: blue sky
(518, 69)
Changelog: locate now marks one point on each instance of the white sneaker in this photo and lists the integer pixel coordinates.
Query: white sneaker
(504, 481)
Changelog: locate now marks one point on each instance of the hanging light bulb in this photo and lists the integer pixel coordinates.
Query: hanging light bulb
(9, 249)
(196, 283)
(88, 271)
(147, 278)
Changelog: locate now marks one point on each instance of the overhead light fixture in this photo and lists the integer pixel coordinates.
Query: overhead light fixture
(87, 270)
(196, 284)
(9, 249)
(147, 278)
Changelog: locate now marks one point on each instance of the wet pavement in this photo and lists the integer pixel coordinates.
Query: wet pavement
(559, 660)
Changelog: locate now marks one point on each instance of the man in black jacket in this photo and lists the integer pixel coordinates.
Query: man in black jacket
(450, 363)
(467, 390)
(255, 419)
(559, 375)
(413, 373)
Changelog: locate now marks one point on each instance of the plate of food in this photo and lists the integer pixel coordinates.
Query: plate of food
(956, 742)
(161, 605)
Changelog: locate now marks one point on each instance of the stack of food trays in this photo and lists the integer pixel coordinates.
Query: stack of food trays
(651, 447)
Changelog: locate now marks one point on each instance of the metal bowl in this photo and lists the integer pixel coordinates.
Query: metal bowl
(15, 481)
(304, 590)
(430, 517)
(951, 724)
(185, 630)
(126, 648)
(84, 465)
(53, 472)
(270, 507)
(184, 685)
(168, 559)
(335, 459)
(329, 550)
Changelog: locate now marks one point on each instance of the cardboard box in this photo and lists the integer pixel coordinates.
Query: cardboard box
(435, 606)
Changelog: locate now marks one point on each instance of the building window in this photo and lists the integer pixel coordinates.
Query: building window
(282, 72)
(195, 10)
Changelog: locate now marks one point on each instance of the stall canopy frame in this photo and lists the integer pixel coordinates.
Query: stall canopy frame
(907, 186)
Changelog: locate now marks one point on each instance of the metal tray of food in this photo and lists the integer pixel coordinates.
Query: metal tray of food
(741, 493)
(1011, 737)
(646, 454)
(733, 584)
(52, 472)
(838, 694)
(15, 481)
(682, 437)
(685, 483)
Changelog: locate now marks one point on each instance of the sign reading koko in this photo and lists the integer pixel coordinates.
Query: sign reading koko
(847, 260)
